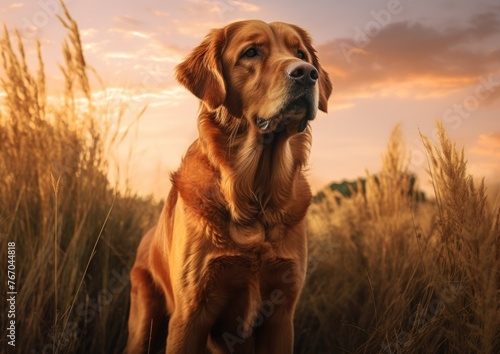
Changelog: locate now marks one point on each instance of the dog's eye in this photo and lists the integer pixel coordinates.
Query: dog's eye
(301, 55)
(250, 53)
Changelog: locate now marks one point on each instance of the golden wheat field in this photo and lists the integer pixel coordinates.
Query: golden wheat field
(388, 272)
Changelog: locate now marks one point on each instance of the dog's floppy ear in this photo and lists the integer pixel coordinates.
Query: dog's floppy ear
(201, 71)
(325, 85)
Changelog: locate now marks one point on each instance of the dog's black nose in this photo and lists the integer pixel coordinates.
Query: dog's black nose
(303, 73)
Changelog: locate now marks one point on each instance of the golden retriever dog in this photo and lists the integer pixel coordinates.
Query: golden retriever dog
(223, 269)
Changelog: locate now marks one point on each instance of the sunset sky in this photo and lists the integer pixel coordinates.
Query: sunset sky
(409, 62)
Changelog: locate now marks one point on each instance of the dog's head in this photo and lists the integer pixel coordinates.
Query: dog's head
(268, 74)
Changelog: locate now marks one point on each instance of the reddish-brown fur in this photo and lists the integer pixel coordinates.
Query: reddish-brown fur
(224, 266)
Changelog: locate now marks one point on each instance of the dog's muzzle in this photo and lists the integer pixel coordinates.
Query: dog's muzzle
(300, 106)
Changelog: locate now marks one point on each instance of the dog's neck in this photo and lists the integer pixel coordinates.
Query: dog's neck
(257, 172)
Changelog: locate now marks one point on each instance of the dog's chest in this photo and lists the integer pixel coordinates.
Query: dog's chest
(260, 258)
(253, 275)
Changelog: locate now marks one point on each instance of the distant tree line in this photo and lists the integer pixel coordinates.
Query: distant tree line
(348, 188)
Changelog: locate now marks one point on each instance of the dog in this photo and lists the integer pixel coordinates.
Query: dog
(224, 267)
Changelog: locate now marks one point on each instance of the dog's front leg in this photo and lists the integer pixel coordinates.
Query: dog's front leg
(276, 335)
(187, 335)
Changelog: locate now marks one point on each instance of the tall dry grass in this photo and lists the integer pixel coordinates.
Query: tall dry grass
(390, 275)
(467, 250)
(387, 274)
(75, 234)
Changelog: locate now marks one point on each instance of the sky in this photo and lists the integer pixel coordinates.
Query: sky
(410, 61)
